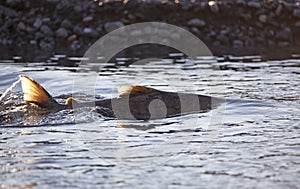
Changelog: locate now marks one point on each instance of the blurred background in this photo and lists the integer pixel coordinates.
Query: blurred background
(36, 30)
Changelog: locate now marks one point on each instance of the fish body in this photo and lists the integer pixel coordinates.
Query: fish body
(133, 102)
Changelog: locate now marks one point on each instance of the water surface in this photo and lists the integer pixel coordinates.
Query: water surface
(249, 142)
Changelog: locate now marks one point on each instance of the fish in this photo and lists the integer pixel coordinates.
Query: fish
(133, 102)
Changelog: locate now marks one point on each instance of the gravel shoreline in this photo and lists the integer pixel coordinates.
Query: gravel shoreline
(35, 30)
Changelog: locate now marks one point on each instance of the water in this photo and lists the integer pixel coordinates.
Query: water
(249, 142)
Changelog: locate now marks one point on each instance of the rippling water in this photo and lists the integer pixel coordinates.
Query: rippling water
(251, 141)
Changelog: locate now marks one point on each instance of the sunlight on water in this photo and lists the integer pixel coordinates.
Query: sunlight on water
(255, 143)
(9, 89)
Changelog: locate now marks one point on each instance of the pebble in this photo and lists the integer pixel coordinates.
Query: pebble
(21, 26)
(87, 19)
(8, 12)
(37, 23)
(72, 37)
(214, 7)
(196, 22)
(238, 43)
(61, 32)
(110, 26)
(45, 29)
(263, 18)
(297, 24)
(279, 10)
(256, 5)
(66, 24)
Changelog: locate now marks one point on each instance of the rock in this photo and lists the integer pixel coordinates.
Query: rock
(46, 30)
(77, 30)
(196, 22)
(223, 39)
(254, 4)
(61, 32)
(284, 34)
(195, 30)
(77, 9)
(46, 20)
(37, 23)
(13, 3)
(87, 30)
(238, 44)
(21, 26)
(72, 37)
(296, 13)
(278, 10)
(75, 45)
(214, 7)
(297, 24)
(47, 43)
(110, 26)
(262, 18)
(66, 24)
(8, 12)
(87, 19)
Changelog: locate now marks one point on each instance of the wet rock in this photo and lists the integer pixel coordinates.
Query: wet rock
(279, 10)
(254, 4)
(8, 12)
(240, 2)
(21, 26)
(45, 29)
(46, 20)
(47, 43)
(196, 22)
(87, 19)
(77, 30)
(262, 18)
(37, 23)
(238, 44)
(75, 45)
(61, 32)
(223, 39)
(66, 24)
(72, 37)
(110, 26)
(284, 34)
(77, 9)
(13, 3)
(214, 7)
(296, 13)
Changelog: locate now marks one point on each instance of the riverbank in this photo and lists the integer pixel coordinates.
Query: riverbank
(35, 30)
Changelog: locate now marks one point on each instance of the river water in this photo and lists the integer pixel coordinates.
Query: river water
(250, 141)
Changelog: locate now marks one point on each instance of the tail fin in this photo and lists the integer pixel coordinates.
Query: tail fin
(35, 93)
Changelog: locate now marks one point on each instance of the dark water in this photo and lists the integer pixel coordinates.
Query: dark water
(251, 142)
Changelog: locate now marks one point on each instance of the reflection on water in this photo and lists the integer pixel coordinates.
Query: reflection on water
(255, 146)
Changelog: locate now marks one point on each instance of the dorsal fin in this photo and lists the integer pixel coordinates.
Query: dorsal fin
(135, 90)
(33, 91)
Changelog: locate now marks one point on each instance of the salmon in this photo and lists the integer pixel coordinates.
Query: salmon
(133, 102)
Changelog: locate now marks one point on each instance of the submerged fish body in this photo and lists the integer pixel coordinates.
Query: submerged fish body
(133, 103)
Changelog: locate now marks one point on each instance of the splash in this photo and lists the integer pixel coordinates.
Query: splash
(9, 89)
